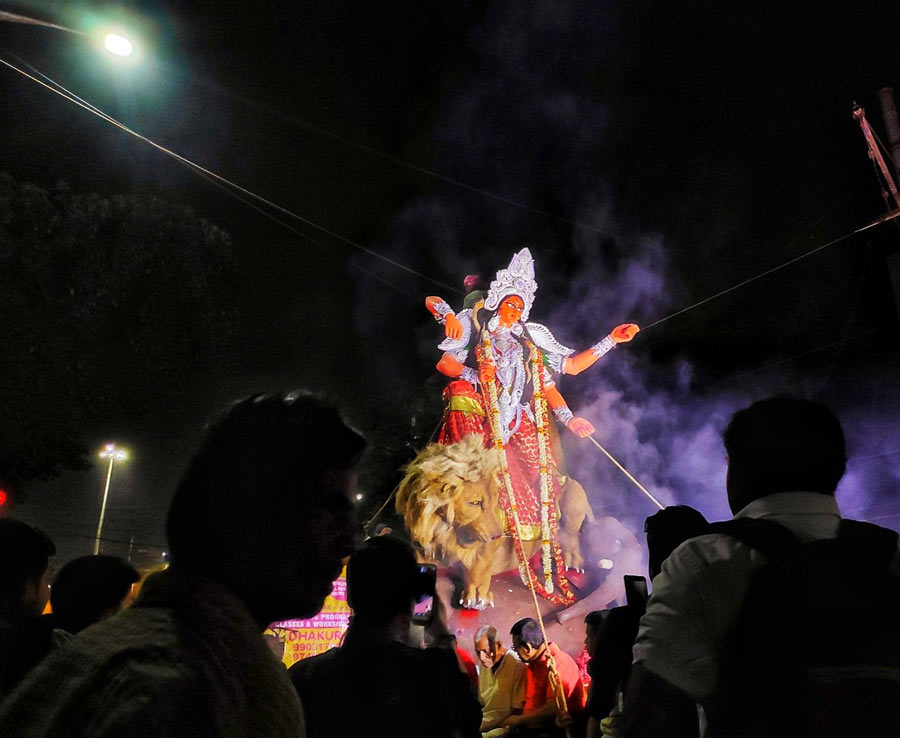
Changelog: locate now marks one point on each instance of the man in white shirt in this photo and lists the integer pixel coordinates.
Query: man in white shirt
(501, 680)
(785, 458)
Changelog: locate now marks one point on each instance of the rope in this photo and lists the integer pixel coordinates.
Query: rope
(493, 416)
(694, 390)
(394, 491)
(626, 473)
(380, 509)
(761, 275)
(65, 94)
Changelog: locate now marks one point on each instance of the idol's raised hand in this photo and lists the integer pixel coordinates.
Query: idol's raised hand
(452, 327)
(624, 333)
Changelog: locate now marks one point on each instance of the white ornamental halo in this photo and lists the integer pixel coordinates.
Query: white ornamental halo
(516, 279)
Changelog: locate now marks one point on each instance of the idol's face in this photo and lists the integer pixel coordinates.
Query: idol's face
(510, 310)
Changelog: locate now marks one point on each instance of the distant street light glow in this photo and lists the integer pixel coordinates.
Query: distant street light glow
(116, 44)
(110, 451)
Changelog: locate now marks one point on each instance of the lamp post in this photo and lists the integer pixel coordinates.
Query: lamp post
(113, 454)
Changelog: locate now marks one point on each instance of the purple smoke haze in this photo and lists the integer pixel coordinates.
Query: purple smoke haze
(525, 125)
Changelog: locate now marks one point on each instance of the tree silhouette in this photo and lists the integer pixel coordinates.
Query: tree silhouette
(107, 304)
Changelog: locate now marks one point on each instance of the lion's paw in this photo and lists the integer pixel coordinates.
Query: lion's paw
(472, 604)
(573, 560)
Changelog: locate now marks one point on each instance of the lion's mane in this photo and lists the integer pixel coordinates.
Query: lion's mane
(431, 486)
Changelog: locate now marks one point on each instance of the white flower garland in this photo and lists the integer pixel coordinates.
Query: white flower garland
(540, 418)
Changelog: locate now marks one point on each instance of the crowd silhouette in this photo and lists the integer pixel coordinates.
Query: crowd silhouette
(783, 621)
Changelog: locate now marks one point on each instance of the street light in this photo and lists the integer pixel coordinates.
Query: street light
(116, 44)
(113, 41)
(113, 454)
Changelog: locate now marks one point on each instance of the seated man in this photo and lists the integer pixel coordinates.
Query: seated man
(540, 713)
(501, 681)
(375, 684)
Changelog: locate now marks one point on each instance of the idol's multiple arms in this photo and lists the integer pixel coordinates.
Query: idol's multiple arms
(451, 366)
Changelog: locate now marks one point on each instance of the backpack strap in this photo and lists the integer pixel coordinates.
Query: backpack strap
(774, 541)
(771, 539)
(881, 541)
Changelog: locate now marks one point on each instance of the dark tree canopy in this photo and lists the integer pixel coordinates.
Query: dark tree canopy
(108, 304)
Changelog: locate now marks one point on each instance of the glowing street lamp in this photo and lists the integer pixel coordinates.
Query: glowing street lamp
(114, 42)
(113, 454)
(118, 45)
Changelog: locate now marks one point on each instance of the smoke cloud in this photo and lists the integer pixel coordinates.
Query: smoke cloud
(525, 125)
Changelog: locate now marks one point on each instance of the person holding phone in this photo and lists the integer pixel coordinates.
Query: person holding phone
(375, 683)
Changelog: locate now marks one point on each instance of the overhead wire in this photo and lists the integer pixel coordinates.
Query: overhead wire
(834, 205)
(235, 190)
(766, 273)
(299, 233)
(63, 92)
(94, 110)
(777, 363)
(875, 456)
(424, 170)
(364, 148)
(110, 540)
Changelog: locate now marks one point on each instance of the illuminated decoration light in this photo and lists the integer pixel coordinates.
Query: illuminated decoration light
(3, 497)
(358, 497)
(116, 44)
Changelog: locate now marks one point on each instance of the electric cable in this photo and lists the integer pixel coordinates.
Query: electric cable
(62, 92)
(423, 170)
(762, 274)
(777, 363)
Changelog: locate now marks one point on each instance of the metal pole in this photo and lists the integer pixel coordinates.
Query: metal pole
(15, 18)
(112, 459)
(860, 115)
(889, 113)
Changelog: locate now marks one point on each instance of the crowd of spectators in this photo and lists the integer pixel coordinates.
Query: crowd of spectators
(784, 621)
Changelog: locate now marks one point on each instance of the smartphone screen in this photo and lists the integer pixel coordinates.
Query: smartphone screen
(636, 591)
(423, 608)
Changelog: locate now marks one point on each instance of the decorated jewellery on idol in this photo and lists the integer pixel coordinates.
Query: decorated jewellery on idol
(443, 310)
(603, 346)
(458, 347)
(470, 375)
(550, 548)
(563, 414)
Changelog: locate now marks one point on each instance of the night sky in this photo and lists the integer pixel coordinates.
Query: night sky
(650, 154)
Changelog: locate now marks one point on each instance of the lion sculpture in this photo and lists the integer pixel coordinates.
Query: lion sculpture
(449, 502)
